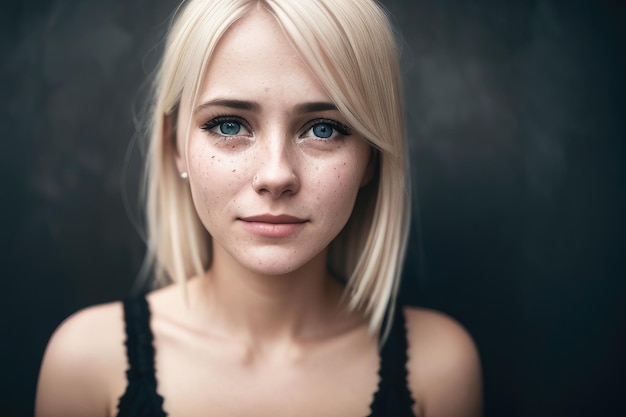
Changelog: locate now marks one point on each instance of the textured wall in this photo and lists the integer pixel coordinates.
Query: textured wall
(516, 114)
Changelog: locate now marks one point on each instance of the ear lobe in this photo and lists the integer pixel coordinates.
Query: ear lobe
(372, 167)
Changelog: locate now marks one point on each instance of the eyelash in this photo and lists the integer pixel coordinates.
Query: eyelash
(208, 126)
(221, 120)
(339, 127)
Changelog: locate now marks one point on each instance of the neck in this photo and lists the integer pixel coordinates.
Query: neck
(267, 309)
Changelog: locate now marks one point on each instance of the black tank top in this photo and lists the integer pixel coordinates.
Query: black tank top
(141, 398)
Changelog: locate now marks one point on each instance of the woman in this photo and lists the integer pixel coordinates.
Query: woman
(277, 203)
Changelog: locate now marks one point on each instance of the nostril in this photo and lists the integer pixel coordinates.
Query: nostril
(276, 184)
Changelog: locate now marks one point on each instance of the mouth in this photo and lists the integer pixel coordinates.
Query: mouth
(273, 226)
(273, 219)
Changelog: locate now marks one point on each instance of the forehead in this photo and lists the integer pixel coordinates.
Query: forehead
(257, 31)
(256, 53)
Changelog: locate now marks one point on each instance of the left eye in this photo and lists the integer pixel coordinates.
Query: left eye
(322, 130)
(326, 129)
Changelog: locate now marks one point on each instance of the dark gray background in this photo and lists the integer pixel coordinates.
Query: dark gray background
(516, 115)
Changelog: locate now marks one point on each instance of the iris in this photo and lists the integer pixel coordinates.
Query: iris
(322, 130)
(230, 128)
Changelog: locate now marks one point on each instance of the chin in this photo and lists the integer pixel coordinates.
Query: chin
(272, 269)
(272, 259)
(276, 261)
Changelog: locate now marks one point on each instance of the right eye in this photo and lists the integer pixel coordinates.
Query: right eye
(226, 126)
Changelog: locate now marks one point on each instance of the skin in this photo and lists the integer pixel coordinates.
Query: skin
(264, 332)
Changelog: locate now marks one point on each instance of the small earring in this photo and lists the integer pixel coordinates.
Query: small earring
(184, 176)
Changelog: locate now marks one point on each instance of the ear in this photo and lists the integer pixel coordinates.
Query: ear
(171, 142)
(372, 167)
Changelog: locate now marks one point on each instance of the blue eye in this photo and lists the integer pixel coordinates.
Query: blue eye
(326, 130)
(230, 128)
(323, 130)
(226, 126)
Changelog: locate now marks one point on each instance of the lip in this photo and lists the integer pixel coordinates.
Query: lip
(273, 219)
(275, 226)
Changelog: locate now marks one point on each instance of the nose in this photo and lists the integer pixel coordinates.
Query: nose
(276, 174)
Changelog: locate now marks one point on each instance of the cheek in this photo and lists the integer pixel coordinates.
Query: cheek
(347, 174)
(340, 184)
(214, 178)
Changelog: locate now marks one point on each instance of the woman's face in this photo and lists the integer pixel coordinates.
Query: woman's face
(274, 169)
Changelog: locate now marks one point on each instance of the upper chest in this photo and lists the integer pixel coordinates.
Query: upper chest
(204, 378)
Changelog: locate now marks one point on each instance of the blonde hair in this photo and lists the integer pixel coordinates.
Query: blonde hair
(349, 45)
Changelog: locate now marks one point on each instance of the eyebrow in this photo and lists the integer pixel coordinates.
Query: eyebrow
(315, 107)
(233, 104)
(312, 107)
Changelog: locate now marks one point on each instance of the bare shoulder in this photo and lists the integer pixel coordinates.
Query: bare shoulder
(444, 365)
(83, 364)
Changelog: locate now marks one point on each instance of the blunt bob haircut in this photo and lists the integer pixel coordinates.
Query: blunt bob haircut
(350, 46)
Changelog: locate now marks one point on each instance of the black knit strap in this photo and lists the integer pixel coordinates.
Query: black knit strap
(393, 395)
(140, 398)
(139, 339)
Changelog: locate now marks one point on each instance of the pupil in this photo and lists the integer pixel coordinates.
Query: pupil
(322, 130)
(230, 128)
